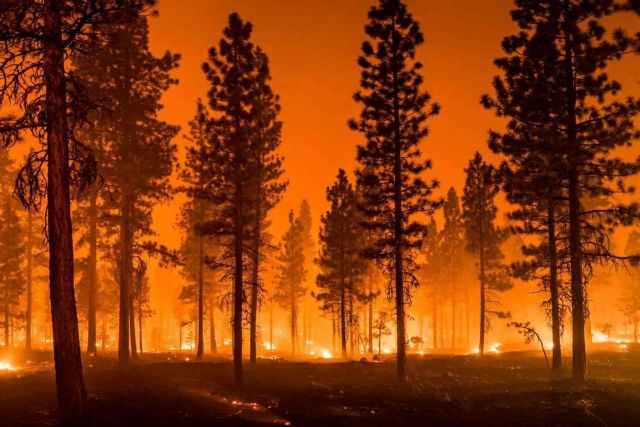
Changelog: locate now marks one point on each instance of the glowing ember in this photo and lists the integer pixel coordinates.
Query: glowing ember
(326, 354)
(548, 346)
(386, 351)
(5, 366)
(475, 351)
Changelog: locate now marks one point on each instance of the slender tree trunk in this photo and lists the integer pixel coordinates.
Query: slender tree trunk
(343, 321)
(398, 231)
(124, 283)
(140, 323)
(435, 324)
(6, 326)
(553, 286)
(579, 354)
(635, 331)
(482, 265)
(370, 315)
(255, 271)
(212, 327)
(453, 319)
(238, 290)
(103, 343)
(271, 324)
(72, 396)
(29, 310)
(200, 340)
(93, 270)
(132, 328)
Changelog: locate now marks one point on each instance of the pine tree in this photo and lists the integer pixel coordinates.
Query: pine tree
(342, 266)
(231, 69)
(12, 251)
(587, 120)
(484, 238)
(196, 175)
(37, 37)
(267, 186)
(291, 275)
(393, 122)
(452, 251)
(137, 155)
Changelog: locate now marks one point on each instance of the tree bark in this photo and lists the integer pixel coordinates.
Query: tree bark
(200, 340)
(212, 327)
(124, 354)
(93, 270)
(132, 327)
(29, 309)
(72, 396)
(255, 271)
(579, 354)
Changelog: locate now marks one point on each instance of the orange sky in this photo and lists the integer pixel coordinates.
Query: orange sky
(313, 46)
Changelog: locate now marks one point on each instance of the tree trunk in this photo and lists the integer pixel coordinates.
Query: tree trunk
(435, 324)
(140, 323)
(212, 327)
(126, 269)
(29, 310)
(370, 315)
(132, 328)
(553, 287)
(343, 321)
(255, 271)
(398, 231)
(200, 339)
(72, 396)
(482, 264)
(93, 270)
(238, 291)
(6, 326)
(579, 354)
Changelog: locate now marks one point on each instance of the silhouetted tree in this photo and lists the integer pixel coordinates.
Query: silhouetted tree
(630, 300)
(380, 328)
(137, 154)
(342, 266)
(580, 107)
(36, 37)
(291, 274)
(267, 186)
(394, 112)
(484, 238)
(230, 70)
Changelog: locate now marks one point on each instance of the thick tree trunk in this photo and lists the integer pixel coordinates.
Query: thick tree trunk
(29, 309)
(93, 270)
(579, 354)
(553, 286)
(72, 396)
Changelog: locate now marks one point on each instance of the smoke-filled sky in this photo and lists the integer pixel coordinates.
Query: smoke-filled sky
(313, 46)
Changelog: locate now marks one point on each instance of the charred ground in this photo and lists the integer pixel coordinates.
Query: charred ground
(169, 390)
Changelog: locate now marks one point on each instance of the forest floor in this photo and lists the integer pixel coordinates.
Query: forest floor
(495, 390)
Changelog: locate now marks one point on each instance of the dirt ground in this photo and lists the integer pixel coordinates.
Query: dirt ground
(497, 390)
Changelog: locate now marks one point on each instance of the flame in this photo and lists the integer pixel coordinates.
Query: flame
(475, 351)
(326, 354)
(6, 366)
(548, 346)
(495, 348)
